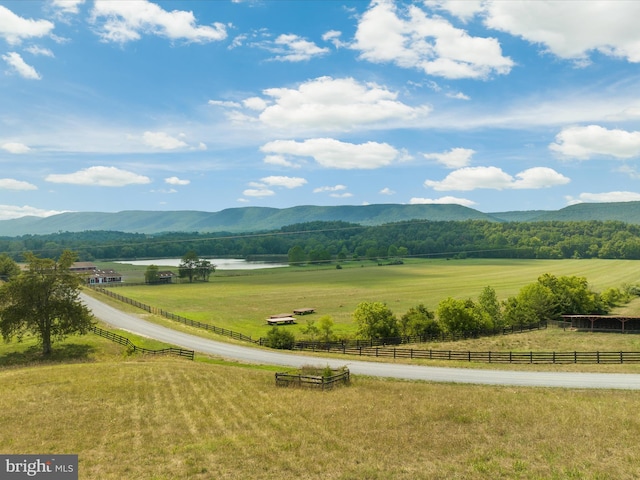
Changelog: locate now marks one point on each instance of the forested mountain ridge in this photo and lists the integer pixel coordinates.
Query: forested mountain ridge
(233, 220)
(260, 219)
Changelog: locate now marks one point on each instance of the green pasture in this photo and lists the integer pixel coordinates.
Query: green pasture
(241, 301)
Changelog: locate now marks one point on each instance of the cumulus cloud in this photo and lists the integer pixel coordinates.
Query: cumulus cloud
(607, 197)
(8, 212)
(472, 178)
(14, 29)
(162, 140)
(68, 6)
(331, 153)
(123, 22)
(281, 181)
(593, 140)
(442, 201)
(335, 188)
(413, 39)
(280, 161)
(292, 48)
(19, 66)
(560, 26)
(465, 10)
(100, 176)
(176, 181)
(454, 158)
(341, 104)
(258, 192)
(386, 191)
(11, 184)
(15, 147)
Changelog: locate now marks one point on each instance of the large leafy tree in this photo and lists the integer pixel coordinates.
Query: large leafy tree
(375, 320)
(188, 265)
(44, 300)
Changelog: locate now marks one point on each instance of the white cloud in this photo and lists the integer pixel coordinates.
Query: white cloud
(593, 140)
(258, 192)
(431, 44)
(335, 188)
(255, 103)
(11, 184)
(15, 147)
(386, 191)
(280, 161)
(14, 28)
(341, 104)
(333, 36)
(454, 158)
(607, 197)
(162, 140)
(280, 181)
(471, 178)
(35, 50)
(223, 103)
(465, 10)
(442, 201)
(8, 212)
(17, 64)
(331, 153)
(100, 176)
(176, 181)
(122, 22)
(68, 6)
(560, 26)
(292, 48)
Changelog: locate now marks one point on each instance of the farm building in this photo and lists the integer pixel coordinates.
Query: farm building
(94, 275)
(604, 323)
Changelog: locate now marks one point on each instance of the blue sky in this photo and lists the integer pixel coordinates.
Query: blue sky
(112, 105)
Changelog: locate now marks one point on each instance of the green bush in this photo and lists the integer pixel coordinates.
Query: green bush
(280, 338)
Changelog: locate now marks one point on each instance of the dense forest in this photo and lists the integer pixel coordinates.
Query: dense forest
(327, 241)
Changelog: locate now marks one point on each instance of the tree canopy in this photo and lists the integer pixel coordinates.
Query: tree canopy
(44, 300)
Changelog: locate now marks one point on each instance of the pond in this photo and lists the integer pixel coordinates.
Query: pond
(220, 263)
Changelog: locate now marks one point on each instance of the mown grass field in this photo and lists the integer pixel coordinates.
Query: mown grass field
(170, 418)
(242, 302)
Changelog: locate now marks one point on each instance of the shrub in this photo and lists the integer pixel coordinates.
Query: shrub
(280, 338)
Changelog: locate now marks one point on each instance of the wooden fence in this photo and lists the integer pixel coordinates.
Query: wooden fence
(177, 318)
(313, 381)
(490, 357)
(440, 337)
(114, 337)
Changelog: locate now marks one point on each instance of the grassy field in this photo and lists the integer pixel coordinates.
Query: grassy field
(241, 302)
(166, 418)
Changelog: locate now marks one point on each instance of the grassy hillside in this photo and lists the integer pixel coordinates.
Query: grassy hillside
(165, 418)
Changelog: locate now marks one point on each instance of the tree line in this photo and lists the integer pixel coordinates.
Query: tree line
(542, 301)
(317, 242)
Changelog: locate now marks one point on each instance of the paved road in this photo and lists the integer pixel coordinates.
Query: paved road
(131, 323)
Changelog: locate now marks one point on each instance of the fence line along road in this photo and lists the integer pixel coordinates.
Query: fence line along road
(122, 320)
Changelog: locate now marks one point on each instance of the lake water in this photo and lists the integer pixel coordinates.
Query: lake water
(220, 263)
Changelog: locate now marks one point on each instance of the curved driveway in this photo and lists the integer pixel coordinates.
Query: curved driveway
(131, 323)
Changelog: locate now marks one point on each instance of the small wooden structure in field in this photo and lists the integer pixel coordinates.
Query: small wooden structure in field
(604, 323)
(303, 311)
(314, 377)
(281, 319)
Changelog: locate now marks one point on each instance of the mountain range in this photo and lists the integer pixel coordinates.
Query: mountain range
(256, 219)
